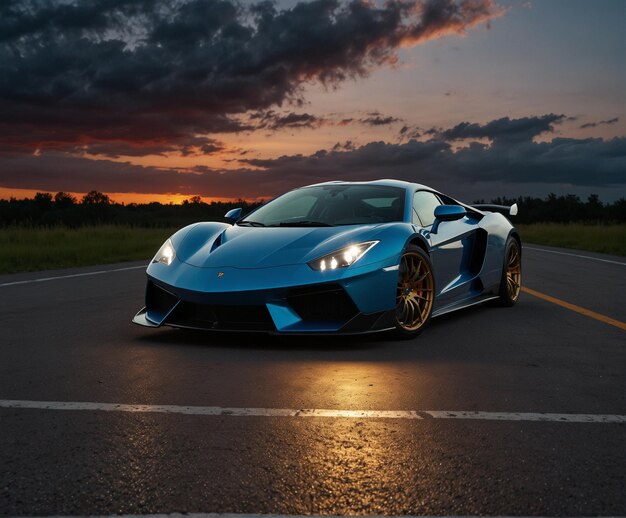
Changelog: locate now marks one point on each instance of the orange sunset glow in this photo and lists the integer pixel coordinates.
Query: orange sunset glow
(125, 198)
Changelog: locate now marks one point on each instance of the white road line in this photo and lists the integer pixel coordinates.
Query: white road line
(46, 279)
(314, 412)
(573, 255)
(242, 515)
(529, 416)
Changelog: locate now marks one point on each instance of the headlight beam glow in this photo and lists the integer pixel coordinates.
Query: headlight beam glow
(166, 253)
(343, 257)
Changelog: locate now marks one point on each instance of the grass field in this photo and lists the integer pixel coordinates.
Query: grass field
(606, 239)
(30, 249)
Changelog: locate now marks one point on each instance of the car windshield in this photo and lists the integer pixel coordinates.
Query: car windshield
(330, 205)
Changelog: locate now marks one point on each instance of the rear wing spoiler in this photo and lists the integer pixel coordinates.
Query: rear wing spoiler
(502, 209)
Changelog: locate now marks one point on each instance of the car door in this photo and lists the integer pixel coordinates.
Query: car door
(451, 248)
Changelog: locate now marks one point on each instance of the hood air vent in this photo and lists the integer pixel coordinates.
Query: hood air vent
(217, 242)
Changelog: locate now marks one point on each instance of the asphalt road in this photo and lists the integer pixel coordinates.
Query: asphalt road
(70, 340)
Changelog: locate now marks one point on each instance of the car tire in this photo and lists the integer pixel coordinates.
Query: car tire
(511, 280)
(415, 293)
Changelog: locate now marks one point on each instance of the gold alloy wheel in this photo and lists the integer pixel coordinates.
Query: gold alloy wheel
(513, 271)
(414, 296)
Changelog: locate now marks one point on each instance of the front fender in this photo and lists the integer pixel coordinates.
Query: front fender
(187, 240)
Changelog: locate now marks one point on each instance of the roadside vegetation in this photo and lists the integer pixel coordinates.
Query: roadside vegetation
(605, 239)
(49, 232)
(24, 249)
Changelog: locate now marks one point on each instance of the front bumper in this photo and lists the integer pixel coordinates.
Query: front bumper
(350, 301)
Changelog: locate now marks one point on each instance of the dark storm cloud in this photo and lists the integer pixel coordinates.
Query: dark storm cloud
(588, 163)
(269, 119)
(348, 145)
(505, 128)
(563, 162)
(513, 157)
(607, 122)
(55, 171)
(276, 121)
(377, 119)
(187, 147)
(156, 70)
(409, 132)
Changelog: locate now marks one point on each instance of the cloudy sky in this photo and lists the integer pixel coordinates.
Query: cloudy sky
(165, 99)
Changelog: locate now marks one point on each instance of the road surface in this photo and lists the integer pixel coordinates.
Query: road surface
(491, 411)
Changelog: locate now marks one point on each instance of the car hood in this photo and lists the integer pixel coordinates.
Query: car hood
(258, 247)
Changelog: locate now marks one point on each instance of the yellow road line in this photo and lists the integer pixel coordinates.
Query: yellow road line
(587, 312)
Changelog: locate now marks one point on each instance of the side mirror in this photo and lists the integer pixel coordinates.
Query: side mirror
(447, 213)
(233, 215)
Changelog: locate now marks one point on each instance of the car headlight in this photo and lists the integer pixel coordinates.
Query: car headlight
(343, 257)
(166, 253)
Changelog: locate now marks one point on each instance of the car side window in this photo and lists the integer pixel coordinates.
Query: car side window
(424, 204)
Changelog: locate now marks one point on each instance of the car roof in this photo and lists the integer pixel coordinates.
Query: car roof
(387, 182)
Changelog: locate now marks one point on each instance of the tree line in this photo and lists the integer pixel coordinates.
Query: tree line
(45, 209)
(566, 209)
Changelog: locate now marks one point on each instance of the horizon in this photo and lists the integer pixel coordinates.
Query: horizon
(477, 99)
(181, 200)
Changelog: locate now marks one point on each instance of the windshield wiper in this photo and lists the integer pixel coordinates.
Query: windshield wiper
(250, 224)
(303, 223)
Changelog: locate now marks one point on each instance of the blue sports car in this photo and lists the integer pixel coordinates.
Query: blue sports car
(336, 257)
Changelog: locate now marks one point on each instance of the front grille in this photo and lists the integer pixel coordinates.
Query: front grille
(328, 303)
(211, 316)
